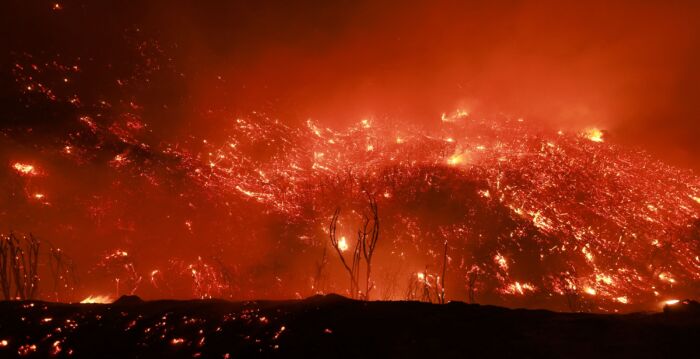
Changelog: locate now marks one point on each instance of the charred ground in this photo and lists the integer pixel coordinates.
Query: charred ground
(333, 326)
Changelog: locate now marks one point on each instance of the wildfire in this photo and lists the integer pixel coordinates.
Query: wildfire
(55, 348)
(343, 244)
(594, 135)
(453, 117)
(548, 184)
(508, 194)
(97, 299)
(501, 261)
(26, 349)
(518, 288)
(24, 168)
(666, 277)
(622, 299)
(457, 159)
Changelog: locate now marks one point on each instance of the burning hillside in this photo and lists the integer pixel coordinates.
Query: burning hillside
(133, 184)
(530, 216)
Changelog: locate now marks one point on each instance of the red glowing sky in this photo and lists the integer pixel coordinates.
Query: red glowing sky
(628, 66)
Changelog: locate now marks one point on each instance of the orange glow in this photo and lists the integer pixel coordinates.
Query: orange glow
(343, 244)
(666, 277)
(97, 299)
(26, 349)
(55, 348)
(501, 261)
(453, 117)
(604, 278)
(519, 288)
(550, 167)
(24, 168)
(457, 159)
(511, 170)
(594, 135)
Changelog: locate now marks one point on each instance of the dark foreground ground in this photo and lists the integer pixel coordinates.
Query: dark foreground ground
(335, 327)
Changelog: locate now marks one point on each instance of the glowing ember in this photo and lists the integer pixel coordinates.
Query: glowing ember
(457, 159)
(23, 168)
(26, 349)
(518, 288)
(501, 261)
(343, 244)
(672, 302)
(595, 135)
(55, 348)
(177, 341)
(453, 117)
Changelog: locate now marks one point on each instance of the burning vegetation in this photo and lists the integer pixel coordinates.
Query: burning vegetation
(349, 179)
(481, 207)
(530, 216)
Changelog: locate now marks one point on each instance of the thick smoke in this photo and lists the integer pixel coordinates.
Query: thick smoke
(627, 66)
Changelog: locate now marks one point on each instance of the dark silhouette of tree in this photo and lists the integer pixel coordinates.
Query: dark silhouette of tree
(366, 244)
(62, 271)
(369, 240)
(319, 272)
(441, 294)
(353, 268)
(19, 261)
